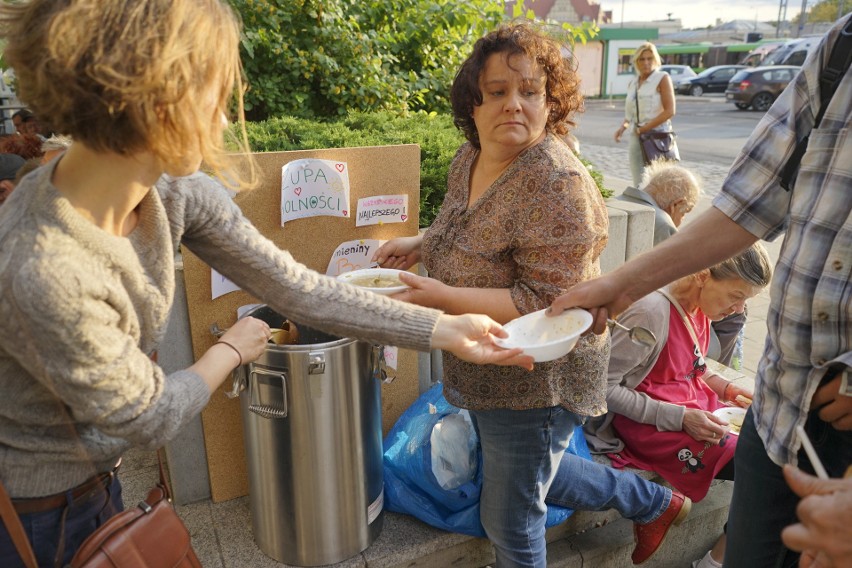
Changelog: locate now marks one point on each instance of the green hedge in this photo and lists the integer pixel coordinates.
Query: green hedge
(437, 136)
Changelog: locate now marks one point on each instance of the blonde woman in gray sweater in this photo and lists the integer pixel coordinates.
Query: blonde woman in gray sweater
(87, 247)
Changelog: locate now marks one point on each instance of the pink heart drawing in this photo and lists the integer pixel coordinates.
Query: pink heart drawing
(298, 191)
(403, 217)
(345, 213)
(339, 167)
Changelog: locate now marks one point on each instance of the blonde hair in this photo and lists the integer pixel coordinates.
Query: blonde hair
(647, 46)
(667, 182)
(130, 76)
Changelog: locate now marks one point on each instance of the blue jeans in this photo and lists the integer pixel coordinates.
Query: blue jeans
(521, 451)
(585, 485)
(763, 504)
(44, 529)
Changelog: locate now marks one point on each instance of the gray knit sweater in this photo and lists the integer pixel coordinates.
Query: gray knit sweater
(81, 310)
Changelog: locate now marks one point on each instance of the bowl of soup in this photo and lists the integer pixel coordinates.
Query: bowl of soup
(544, 337)
(733, 415)
(383, 281)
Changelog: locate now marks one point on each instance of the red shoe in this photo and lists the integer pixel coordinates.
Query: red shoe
(650, 536)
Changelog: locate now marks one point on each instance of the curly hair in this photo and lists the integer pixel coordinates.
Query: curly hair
(130, 76)
(27, 146)
(563, 83)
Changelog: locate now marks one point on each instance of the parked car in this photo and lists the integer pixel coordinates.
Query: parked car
(758, 87)
(711, 80)
(678, 72)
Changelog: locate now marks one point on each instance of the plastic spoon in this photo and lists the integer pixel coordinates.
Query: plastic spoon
(639, 335)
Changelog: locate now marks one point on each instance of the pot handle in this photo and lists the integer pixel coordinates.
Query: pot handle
(269, 410)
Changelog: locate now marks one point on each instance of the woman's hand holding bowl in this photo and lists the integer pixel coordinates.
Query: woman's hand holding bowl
(423, 291)
(703, 426)
(401, 253)
(471, 338)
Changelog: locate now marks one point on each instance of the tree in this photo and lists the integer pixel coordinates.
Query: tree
(317, 58)
(826, 11)
(323, 58)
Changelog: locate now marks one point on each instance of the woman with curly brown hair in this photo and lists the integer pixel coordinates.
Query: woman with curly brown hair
(521, 223)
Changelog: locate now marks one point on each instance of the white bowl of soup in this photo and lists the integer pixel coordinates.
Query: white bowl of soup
(383, 281)
(733, 415)
(546, 338)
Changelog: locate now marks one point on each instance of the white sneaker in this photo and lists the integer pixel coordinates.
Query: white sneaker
(706, 562)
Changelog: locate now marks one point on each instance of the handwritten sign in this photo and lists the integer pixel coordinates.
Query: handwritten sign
(380, 209)
(313, 188)
(221, 285)
(391, 357)
(353, 255)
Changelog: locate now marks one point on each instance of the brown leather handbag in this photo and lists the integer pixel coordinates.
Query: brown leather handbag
(151, 535)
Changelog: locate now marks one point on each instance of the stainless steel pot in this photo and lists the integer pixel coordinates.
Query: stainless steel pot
(312, 418)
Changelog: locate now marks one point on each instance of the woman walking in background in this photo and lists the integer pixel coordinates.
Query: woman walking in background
(649, 106)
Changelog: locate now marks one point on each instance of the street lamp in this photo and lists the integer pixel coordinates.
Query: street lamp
(803, 15)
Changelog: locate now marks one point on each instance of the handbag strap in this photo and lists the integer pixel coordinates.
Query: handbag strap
(163, 480)
(829, 79)
(683, 316)
(16, 528)
(636, 100)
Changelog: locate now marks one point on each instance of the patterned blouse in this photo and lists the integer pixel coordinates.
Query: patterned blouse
(538, 230)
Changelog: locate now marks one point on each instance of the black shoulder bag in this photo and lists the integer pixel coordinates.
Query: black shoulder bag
(829, 80)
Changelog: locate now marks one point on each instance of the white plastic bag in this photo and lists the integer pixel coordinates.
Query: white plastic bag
(454, 448)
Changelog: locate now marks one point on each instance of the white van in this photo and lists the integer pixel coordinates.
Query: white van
(757, 55)
(794, 52)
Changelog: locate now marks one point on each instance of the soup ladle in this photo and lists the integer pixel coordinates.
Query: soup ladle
(638, 335)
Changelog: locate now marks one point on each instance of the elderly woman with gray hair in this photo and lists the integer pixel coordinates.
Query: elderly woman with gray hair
(649, 105)
(661, 398)
(672, 190)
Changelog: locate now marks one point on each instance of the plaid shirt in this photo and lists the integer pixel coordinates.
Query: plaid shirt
(810, 311)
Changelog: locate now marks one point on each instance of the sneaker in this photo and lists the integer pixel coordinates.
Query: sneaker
(706, 562)
(650, 536)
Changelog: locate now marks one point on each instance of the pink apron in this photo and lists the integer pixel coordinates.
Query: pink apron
(689, 465)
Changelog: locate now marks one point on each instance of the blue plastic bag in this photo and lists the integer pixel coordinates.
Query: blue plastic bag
(411, 486)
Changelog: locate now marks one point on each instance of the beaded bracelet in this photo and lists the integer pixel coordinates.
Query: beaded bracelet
(237, 351)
